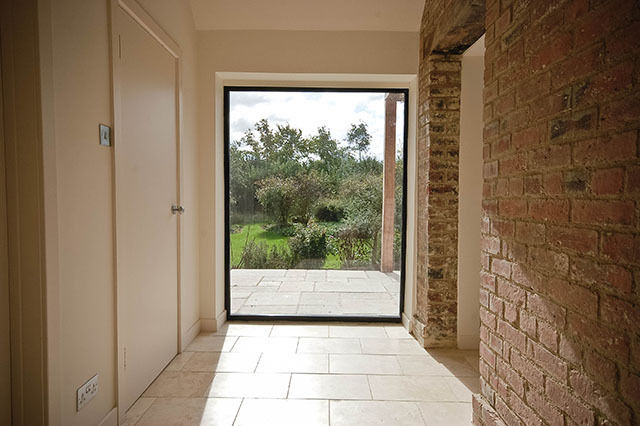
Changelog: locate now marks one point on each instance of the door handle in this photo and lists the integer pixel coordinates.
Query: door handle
(177, 209)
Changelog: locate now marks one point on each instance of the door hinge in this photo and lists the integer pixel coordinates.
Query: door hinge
(124, 358)
(119, 47)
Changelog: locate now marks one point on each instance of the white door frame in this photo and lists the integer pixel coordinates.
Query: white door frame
(135, 11)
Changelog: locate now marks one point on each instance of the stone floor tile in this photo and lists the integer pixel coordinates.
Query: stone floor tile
(374, 413)
(191, 412)
(329, 386)
(283, 412)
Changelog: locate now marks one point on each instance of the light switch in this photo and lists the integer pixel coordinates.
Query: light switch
(105, 135)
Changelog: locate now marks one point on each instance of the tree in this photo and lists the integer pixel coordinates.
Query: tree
(359, 139)
(277, 196)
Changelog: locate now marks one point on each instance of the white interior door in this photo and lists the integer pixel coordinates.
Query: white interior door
(146, 188)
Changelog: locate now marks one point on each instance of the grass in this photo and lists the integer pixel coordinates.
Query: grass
(255, 232)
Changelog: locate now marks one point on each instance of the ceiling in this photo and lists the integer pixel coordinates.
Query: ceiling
(309, 15)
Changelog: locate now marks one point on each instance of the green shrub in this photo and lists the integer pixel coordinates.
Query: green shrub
(260, 256)
(329, 211)
(353, 247)
(284, 230)
(309, 246)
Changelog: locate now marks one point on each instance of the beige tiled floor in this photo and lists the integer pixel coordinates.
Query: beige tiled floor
(310, 374)
(314, 292)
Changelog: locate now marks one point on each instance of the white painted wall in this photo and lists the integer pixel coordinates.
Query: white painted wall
(303, 58)
(82, 175)
(471, 107)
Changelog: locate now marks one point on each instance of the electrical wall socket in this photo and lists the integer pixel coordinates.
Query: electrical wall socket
(87, 391)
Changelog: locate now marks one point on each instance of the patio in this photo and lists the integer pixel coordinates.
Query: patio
(315, 292)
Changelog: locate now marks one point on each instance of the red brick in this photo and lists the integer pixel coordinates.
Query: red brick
(514, 207)
(577, 66)
(502, 22)
(511, 165)
(550, 363)
(607, 181)
(549, 260)
(621, 114)
(487, 355)
(546, 309)
(596, 25)
(543, 407)
(601, 369)
(531, 373)
(575, 9)
(490, 244)
(605, 149)
(525, 412)
(488, 281)
(513, 336)
(528, 323)
(557, 48)
(528, 137)
(515, 251)
(515, 186)
(533, 185)
(510, 313)
(620, 312)
(613, 408)
(490, 170)
(573, 296)
(630, 387)
(496, 305)
(570, 350)
(510, 376)
(500, 146)
(621, 247)
(511, 292)
(501, 267)
(584, 241)
(502, 228)
(599, 212)
(536, 86)
(564, 400)
(552, 183)
(586, 271)
(548, 336)
(613, 341)
(505, 103)
(552, 210)
(607, 84)
(488, 319)
(633, 180)
(495, 343)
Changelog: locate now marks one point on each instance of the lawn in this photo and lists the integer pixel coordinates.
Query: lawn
(257, 232)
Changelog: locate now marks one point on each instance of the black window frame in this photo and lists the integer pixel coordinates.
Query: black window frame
(227, 240)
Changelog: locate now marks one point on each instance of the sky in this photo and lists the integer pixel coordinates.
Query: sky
(309, 110)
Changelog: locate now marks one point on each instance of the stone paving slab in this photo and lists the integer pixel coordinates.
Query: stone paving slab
(314, 292)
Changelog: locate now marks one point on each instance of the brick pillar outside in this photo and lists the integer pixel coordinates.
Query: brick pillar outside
(437, 234)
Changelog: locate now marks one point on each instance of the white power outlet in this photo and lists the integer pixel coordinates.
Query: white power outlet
(87, 391)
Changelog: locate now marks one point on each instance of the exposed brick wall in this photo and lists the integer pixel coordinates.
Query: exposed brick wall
(560, 285)
(439, 115)
(449, 27)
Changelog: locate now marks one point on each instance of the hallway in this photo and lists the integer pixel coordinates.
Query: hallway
(311, 374)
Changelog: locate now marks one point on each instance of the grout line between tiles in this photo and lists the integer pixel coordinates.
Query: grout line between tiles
(235, 418)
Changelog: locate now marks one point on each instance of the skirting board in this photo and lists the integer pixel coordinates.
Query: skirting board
(208, 324)
(111, 419)
(222, 318)
(190, 335)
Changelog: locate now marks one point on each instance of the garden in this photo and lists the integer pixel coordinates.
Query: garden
(307, 202)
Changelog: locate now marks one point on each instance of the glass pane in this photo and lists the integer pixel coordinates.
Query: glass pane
(308, 184)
